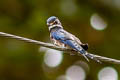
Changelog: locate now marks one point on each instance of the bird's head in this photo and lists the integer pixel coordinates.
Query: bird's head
(53, 22)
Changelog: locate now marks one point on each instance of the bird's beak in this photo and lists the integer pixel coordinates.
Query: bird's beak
(49, 24)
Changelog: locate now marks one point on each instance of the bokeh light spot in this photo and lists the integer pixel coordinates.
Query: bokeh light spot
(53, 57)
(63, 77)
(76, 73)
(43, 49)
(68, 7)
(84, 65)
(97, 22)
(108, 73)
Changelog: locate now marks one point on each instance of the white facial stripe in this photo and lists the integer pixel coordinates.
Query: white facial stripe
(54, 26)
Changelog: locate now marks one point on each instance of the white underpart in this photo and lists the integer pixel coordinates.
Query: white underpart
(55, 26)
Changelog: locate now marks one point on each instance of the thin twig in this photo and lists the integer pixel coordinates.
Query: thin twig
(48, 45)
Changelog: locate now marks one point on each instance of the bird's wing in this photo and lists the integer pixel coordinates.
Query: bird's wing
(84, 46)
(62, 35)
(67, 39)
(75, 38)
(78, 40)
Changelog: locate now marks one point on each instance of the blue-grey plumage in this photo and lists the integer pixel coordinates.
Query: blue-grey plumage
(67, 39)
(51, 19)
(61, 37)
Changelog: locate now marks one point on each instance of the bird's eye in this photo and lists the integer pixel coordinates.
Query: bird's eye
(55, 22)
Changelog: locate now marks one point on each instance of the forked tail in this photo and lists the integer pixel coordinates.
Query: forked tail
(92, 57)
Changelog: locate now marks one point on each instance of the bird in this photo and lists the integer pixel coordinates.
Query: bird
(62, 38)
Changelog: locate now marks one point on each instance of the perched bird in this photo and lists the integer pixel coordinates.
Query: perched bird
(61, 37)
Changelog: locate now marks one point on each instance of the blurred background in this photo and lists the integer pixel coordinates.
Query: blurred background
(96, 22)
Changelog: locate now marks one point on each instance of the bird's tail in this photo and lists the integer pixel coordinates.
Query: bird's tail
(83, 53)
(81, 50)
(86, 55)
(92, 57)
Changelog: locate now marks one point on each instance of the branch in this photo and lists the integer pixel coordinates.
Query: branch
(48, 45)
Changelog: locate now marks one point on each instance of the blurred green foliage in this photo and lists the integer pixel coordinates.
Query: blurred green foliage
(23, 61)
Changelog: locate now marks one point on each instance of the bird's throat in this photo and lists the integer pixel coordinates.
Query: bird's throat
(55, 27)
